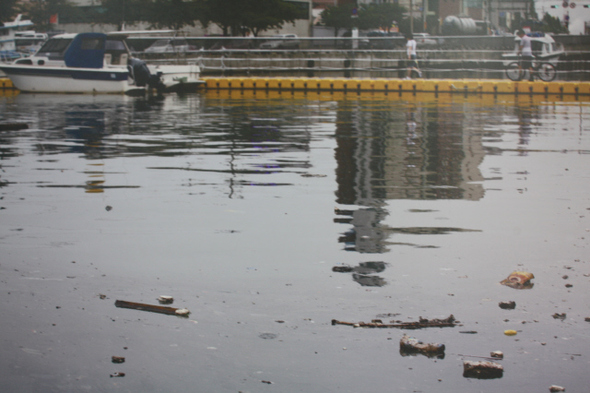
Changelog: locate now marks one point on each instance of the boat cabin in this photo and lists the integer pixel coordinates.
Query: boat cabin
(83, 50)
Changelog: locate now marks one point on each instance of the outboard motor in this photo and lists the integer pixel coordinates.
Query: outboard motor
(142, 75)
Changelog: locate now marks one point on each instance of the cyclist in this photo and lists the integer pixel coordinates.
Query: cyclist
(526, 51)
(411, 51)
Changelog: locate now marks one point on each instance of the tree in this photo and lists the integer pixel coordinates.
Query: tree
(553, 25)
(240, 17)
(40, 12)
(262, 15)
(123, 12)
(7, 10)
(339, 17)
(369, 16)
(173, 14)
(380, 16)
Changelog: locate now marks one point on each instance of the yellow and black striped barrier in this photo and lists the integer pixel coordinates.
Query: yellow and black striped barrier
(461, 86)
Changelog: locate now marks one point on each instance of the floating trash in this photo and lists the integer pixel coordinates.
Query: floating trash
(482, 370)
(166, 299)
(411, 346)
(510, 305)
(519, 280)
(450, 321)
(510, 332)
(183, 312)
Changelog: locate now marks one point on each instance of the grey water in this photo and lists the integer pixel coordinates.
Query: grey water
(269, 215)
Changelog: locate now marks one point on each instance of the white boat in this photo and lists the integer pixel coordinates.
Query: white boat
(95, 63)
(28, 42)
(8, 31)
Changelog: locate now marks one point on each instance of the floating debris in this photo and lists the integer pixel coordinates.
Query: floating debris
(117, 374)
(559, 316)
(183, 312)
(510, 332)
(450, 321)
(117, 359)
(555, 388)
(519, 280)
(166, 299)
(410, 346)
(510, 305)
(482, 370)
(268, 336)
(343, 269)
(497, 354)
(13, 126)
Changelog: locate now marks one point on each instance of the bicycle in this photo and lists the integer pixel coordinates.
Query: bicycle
(545, 71)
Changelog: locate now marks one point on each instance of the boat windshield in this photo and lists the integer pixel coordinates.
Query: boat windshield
(117, 50)
(54, 49)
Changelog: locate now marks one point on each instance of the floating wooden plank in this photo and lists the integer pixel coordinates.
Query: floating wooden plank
(183, 312)
(422, 323)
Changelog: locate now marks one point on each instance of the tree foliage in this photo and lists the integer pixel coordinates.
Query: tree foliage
(173, 14)
(240, 17)
(123, 12)
(339, 17)
(40, 12)
(382, 16)
(553, 25)
(369, 16)
(7, 10)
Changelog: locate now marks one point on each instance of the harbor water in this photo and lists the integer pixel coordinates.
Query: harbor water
(268, 215)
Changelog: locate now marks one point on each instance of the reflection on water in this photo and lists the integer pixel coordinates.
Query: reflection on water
(364, 273)
(268, 215)
(385, 147)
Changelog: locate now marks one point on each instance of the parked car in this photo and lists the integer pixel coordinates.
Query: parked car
(282, 41)
(232, 44)
(171, 45)
(346, 43)
(384, 40)
(424, 39)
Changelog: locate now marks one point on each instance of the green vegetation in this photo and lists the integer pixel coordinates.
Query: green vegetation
(234, 17)
(368, 16)
(243, 17)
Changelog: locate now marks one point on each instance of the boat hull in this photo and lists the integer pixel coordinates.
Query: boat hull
(43, 79)
(178, 78)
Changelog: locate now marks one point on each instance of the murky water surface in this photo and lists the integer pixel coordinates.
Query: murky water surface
(270, 215)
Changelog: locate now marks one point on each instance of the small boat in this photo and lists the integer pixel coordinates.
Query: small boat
(95, 63)
(8, 31)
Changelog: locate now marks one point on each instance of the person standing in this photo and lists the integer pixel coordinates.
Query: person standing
(411, 52)
(526, 51)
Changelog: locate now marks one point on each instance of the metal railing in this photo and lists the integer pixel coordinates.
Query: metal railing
(451, 57)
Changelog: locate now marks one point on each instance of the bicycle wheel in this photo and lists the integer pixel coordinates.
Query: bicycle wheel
(513, 72)
(547, 72)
